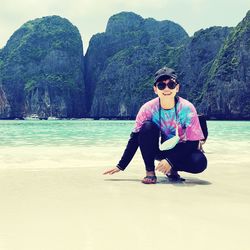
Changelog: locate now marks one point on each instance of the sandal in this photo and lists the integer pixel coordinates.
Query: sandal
(173, 176)
(149, 179)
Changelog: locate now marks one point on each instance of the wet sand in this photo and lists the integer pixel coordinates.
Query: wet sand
(54, 199)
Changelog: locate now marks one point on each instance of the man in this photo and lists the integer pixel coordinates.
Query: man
(167, 129)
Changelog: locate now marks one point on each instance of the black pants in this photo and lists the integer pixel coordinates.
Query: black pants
(183, 157)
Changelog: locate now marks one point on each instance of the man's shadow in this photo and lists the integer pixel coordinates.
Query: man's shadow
(190, 181)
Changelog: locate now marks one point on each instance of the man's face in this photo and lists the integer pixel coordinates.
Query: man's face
(166, 92)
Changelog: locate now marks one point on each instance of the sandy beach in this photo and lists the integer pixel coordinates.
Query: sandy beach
(53, 199)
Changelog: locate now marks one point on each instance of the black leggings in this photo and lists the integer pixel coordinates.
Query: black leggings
(181, 157)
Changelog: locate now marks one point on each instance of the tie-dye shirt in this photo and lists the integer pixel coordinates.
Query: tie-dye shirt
(187, 120)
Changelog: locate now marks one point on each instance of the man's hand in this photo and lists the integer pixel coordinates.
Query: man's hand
(112, 171)
(164, 166)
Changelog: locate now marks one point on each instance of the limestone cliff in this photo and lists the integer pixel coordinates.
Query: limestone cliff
(42, 70)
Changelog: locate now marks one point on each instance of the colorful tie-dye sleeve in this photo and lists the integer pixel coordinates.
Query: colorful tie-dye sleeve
(144, 114)
(193, 128)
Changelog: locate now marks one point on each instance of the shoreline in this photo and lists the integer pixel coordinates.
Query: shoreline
(112, 118)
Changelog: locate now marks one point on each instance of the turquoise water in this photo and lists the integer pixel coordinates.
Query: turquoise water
(34, 144)
(100, 133)
(63, 132)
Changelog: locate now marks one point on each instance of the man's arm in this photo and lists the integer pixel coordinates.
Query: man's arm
(130, 151)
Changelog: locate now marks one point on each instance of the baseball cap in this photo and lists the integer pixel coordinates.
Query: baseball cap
(165, 71)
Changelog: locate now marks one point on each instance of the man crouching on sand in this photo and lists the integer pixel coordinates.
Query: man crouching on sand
(167, 129)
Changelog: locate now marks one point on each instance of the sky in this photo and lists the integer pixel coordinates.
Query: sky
(91, 16)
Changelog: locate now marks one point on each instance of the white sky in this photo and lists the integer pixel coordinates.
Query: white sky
(91, 16)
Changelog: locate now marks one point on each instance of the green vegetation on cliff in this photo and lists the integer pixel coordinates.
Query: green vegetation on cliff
(227, 88)
(123, 58)
(45, 54)
(43, 71)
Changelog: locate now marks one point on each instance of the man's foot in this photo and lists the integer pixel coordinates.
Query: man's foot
(149, 179)
(173, 176)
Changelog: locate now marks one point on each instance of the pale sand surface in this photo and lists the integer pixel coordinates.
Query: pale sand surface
(55, 199)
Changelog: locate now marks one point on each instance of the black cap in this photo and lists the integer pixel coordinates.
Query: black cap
(165, 71)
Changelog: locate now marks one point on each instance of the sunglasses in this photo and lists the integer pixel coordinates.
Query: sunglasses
(162, 85)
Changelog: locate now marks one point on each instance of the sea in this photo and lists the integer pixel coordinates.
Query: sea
(86, 142)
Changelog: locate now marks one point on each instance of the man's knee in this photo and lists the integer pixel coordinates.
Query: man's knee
(199, 162)
(149, 127)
